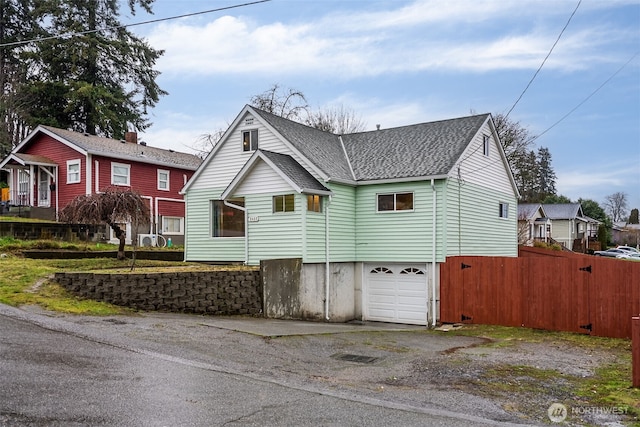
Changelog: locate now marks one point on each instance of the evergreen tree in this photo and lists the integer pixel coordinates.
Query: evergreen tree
(93, 76)
(546, 177)
(592, 209)
(633, 217)
(18, 21)
(553, 199)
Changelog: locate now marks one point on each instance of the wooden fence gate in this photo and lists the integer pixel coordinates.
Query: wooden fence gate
(575, 293)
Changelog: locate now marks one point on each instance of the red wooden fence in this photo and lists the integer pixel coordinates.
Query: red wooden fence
(544, 290)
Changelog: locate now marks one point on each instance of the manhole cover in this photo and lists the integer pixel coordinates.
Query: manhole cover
(354, 358)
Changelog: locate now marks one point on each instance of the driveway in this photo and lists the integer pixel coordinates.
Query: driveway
(388, 365)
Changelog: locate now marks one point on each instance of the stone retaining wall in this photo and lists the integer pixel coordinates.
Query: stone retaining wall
(212, 292)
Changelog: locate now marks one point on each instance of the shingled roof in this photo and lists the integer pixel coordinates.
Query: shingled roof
(114, 148)
(420, 150)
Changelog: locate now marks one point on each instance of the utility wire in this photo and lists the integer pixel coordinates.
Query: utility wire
(81, 33)
(588, 97)
(543, 62)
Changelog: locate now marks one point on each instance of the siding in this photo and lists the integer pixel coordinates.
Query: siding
(486, 171)
(263, 179)
(199, 245)
(60, 153)
(473, 223)
(274, 235)
(342, 223)
(394, 236)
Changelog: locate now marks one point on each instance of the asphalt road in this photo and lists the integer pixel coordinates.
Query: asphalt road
(55, 377)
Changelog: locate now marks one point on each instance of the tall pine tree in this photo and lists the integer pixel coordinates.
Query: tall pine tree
(92, 75)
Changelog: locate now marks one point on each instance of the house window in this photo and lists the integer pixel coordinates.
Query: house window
(504, 210)
(250, 140)
(73, 171)
(314, 203)
(395, 202)
(163, 180)
(225, 220)
(120, 174)
(23, 183)
(172, 225)
(284, 203)
(485, 145)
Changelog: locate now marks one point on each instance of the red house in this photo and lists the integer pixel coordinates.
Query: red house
(52, 166)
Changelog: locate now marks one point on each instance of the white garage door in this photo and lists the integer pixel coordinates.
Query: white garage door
(396, 293)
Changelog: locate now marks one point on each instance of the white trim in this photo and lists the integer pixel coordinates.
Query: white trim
(121, 165)
(74, 162)
(168, 180)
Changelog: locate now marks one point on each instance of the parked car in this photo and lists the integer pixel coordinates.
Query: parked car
(628, 248)
(633, 256)
(612, 253)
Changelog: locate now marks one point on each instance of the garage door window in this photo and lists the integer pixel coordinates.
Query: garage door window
(412, 271)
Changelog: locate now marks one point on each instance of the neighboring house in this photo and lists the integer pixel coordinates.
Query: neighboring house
(626, 234)
(570, 226)
(369, 216)
(533, 224)
(52, 166)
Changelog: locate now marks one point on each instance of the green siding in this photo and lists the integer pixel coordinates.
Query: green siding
(200, 246)
(342, 223)
(474, 226)
(274, 235)
(395, 236)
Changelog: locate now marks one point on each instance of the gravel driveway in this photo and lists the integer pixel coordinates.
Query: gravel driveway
(512, 381)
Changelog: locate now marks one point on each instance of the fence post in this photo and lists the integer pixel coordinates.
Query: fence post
(635, 351)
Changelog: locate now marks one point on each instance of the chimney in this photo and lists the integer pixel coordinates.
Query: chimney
(131, 137)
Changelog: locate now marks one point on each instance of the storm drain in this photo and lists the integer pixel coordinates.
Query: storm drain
(354, 358)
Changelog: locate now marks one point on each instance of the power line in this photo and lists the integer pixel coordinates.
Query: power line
(81, 33)
(588, 97)
(543, 62)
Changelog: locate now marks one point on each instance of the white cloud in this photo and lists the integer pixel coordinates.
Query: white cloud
(421, 36)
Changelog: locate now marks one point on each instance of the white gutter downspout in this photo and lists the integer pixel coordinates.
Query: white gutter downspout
(246, 229)
(327, 279)
(433, 253)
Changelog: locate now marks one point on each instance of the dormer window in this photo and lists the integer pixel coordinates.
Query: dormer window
(250, 140)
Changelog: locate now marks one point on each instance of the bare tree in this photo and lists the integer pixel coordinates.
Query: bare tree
(338, 120)
(290, 104)
(112, 207)
(616, 205)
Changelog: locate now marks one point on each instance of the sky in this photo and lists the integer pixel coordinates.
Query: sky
(396, 63)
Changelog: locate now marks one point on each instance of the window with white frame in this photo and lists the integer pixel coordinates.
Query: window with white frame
(163, 180)
(172, 225)
(391, 202)
(504, 210)
(284, 203)
(73, 171)
(485, 145)
(250, 140)
(120, 174)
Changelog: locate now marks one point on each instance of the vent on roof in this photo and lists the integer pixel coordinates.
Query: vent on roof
(378, 127)
(144, 144)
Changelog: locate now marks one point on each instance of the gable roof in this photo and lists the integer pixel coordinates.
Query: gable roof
(97, 145)
(291, 171)
(528, 210)
(425, 150)
(563, 210)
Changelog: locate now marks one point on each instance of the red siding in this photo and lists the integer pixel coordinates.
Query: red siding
(46, 146)
(144, 179)
(143, 176)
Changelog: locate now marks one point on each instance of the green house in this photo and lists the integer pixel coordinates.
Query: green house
(351, 226)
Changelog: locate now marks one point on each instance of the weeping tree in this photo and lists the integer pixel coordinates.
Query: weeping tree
(112, 207)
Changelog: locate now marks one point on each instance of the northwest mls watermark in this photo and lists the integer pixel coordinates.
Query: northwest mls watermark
(558, 412)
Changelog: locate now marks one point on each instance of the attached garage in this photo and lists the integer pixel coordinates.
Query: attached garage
(396, 293)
